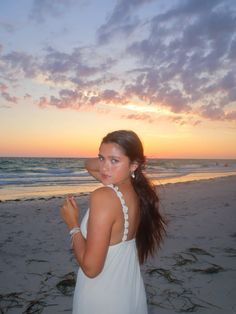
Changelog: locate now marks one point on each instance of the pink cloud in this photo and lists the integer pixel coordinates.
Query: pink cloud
(3, 87)
(5, 95)
(139, 116)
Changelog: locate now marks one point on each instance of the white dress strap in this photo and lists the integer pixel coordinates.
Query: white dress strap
(124, 209)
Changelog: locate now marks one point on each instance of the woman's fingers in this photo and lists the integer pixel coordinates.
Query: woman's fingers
(62, 212)
(70, 200)
(69, 214)
(73, 202)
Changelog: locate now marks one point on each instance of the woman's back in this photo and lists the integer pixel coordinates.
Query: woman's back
(119, 287)
(130, 199)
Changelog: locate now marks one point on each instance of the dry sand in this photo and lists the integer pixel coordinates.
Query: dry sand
(195, 271)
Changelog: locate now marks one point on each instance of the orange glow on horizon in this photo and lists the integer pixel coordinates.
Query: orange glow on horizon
(67, 133)
(88, 147)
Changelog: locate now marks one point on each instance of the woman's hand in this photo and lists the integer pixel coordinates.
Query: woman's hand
(70, 212)
(92, 166)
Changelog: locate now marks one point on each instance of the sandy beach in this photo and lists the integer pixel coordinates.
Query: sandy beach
(195, 271)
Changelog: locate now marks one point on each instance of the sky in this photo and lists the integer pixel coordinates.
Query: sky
(73, 70)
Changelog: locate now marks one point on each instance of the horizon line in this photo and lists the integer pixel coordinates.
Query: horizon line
(85, 157)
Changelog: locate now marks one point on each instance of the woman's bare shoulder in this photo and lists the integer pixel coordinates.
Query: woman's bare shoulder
(104, 195)
(103, 191)
(103, 201)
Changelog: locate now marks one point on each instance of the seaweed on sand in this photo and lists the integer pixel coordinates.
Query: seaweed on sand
(182, 260)
(35, 307)
(67, 284)
(230, 251)
(164, 273)
(209, 270)
(9, 301)
(182, 302)
(199, 251)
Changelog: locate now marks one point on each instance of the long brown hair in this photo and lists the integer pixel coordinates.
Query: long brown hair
(151, 228)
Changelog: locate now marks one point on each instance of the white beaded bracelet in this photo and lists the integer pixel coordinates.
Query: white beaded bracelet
(73, 231)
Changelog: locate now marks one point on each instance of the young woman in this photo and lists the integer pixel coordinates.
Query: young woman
(121, 228)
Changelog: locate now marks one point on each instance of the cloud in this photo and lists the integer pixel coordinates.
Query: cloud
(139, 116)
(9, 98)
(232, 50)
(82, 67)
(231, 115)
(180, 120)
(183, 60)
(232, 95)
(41, 9)
(190, 50)
(111, 96)
(8, 27)
(74, 68)
(67, 99)
(121, 21)
(77, 98)
(27, 96)
(56, 63)
(228, 81)
(5, 95)
(149, 87)
(3, 87)
(16, 64)
(212, 112)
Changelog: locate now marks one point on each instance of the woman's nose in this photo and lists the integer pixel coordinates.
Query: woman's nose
(105, 165)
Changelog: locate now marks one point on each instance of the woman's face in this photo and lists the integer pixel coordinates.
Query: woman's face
(114, 166)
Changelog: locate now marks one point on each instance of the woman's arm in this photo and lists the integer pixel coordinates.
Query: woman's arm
(92, 166)
(91, 252)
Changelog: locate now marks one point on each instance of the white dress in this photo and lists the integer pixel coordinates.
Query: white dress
(119, 288)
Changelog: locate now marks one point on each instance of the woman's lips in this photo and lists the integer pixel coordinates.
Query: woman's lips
(105, 176)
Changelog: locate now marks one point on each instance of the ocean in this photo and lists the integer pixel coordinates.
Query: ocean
(26, 178)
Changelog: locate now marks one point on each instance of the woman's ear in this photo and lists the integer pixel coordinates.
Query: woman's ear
(133, 166)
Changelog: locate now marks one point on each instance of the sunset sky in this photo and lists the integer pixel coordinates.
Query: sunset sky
(73, 70)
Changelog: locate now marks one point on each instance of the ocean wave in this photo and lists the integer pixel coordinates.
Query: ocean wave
(67, 171)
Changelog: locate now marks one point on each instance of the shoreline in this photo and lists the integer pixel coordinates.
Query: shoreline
(194, 271)
(13, 193)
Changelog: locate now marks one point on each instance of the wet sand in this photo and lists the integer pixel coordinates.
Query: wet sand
(195, 271)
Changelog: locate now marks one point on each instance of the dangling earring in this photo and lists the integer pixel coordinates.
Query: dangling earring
(133, 175)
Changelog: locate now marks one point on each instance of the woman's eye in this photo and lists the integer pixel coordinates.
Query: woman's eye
(100, 158)
(114, 161)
